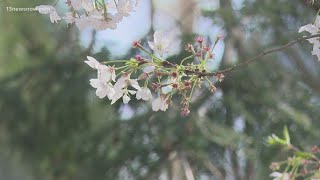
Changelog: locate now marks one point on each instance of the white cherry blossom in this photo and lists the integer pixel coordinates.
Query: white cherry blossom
(94, 17)
(310, 28)
(106, 73)
(125, 7)
(280, 176)
(92, 62)
(313, 29)
(87, 5)
(99, 22)
(126, 99)
(82, 22)
(160, 44)
(69, 17)
(121, 88)
(316, 50)
(144, 93)
(54, 17)
(125, 81)
(76, 4)
(103, 89)
(124, 93)
(159, 104)
(47, 9)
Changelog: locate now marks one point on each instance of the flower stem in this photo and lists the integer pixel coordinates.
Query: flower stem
(104, 9)
(209, 81)
(192, 90)
(150, 54)
(122, 67)
(115, 61)
(122, 71)
(189, 57)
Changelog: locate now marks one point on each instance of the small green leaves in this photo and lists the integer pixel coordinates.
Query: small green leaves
(286, 135)
(275, 140)
(132, 63)
(305, 155)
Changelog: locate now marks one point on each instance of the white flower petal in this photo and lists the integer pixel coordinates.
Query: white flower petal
(144, 94)
(87, 5)
(101, 93)
(156, 104)
(312, 29)
(125, 7)
(117, 96)
(92, 62)
(95, 83)
(126, 99)
(54, 17)
(76, 4)
(132, 92)
(160, 44)
(152, 45)
(134, 83)
(121, 83)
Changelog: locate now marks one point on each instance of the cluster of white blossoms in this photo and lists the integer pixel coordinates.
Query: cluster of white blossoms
(140, 76)
(313, 29)
(97, 14)
(123, 88)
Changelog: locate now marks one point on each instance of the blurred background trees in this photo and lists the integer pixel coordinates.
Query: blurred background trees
(53, 126)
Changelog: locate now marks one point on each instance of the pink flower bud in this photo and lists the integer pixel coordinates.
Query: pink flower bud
(136, 44)
(220, 77)
(206, 48)
(199, 39)
(189, 48)
(185, 112)
(155, 86)
(139, 58)
(187, 84)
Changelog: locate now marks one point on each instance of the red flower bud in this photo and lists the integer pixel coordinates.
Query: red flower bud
(185, 112)
(220, 77)
(187, 84)
(199, 39)
(136, 44)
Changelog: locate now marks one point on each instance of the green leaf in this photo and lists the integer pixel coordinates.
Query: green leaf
(305, 155)
(275, 140)
(286, 135)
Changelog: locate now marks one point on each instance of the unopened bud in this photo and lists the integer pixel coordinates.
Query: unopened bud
(136, 44)
(220, 77)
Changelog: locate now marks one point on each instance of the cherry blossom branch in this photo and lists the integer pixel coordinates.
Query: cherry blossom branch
(121, 78)
(247, 62)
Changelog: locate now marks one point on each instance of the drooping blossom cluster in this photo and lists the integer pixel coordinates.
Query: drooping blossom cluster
(313, 29)
(154, 79)
(97, 14)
